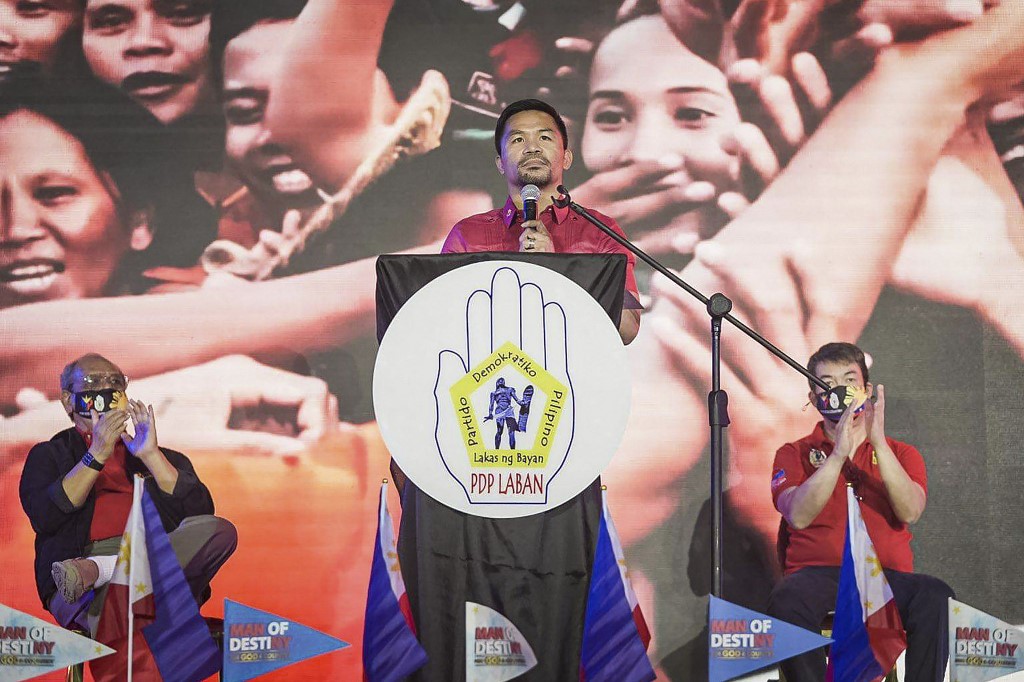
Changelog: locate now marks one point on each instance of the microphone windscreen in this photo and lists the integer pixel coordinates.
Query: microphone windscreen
(530, 194)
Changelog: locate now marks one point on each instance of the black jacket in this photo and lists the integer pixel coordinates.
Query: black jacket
(62, 530)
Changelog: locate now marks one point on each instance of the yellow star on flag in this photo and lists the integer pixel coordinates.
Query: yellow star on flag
(140, 587)
(868, 605)
(956, 609)
(392, 559)
(99, 649)
(125, 555)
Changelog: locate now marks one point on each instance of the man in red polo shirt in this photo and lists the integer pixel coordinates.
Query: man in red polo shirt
(808, 485)
(534, 571)
(533, 149)
(76, 489)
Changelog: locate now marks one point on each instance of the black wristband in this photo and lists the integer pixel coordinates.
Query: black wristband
(91, 462)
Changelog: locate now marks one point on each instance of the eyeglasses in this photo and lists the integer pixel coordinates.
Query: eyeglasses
(92, 382)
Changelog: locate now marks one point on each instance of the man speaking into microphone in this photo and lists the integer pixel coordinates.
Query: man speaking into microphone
(535, 570)
(533, 152)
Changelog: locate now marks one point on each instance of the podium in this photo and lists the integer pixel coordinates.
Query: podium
(534, 570)
(399, 277)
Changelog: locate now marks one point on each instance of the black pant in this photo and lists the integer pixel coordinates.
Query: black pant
(805, 597)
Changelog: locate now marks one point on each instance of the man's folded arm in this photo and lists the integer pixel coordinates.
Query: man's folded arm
(42, 492)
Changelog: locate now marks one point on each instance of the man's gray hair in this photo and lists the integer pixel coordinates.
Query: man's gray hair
(67, 375)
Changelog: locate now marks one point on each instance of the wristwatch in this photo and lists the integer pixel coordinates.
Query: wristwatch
(91, 462)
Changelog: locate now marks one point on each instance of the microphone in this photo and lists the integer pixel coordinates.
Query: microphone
(530, 194)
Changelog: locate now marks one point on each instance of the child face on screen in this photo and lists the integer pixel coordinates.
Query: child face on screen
(31, 32)
(155, 50)
(61, 233)
(251, 62)
(652, 99)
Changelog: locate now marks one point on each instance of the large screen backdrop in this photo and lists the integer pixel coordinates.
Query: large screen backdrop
(197, 189)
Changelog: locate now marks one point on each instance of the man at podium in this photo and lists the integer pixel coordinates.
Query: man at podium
(532, 572)
(532, 148)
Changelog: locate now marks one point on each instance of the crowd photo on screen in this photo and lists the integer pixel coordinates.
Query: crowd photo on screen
(198, 190)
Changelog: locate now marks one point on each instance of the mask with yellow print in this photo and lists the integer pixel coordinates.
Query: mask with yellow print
(832, 403)
(103, 400)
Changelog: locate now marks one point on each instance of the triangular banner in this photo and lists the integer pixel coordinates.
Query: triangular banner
(30, 646)
(495, 649)
(982, 647)
(741, 641)
(257, 642)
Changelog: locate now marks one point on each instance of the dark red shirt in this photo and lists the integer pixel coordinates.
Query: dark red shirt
(821, 543)
(499, 230)
(114, 491)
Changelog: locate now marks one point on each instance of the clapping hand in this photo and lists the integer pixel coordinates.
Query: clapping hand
(143, 443)
(846, 445)
(106, 428)
(874, 416)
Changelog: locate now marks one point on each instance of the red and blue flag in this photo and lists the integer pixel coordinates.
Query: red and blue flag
(390, 648)
(615, 634)
(867, 629)
(148, 596)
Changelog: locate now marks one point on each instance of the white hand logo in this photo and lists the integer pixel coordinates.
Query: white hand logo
(515, 349)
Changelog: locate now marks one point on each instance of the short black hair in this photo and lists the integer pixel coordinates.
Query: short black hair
(837, 352)
(119, 136)
(231, 18)
(519, 107)
(143, 157)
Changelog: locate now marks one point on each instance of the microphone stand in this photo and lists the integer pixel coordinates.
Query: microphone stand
(719, 308)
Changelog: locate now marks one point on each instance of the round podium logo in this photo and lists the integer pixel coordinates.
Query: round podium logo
(502, 389)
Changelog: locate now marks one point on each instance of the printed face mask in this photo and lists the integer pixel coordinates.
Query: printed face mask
(104, 400)
(832, 403)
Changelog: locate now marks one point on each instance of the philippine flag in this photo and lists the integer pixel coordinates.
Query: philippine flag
(615, 634)
(390, 648)
(150, 616)
(867, 629)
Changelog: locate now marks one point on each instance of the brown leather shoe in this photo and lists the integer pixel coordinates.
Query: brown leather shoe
(74, 577)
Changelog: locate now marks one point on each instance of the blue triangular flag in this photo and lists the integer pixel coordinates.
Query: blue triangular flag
(30, 647)
(257, 642)
(741, 641)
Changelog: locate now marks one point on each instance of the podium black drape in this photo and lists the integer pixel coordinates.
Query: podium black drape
(533, 570)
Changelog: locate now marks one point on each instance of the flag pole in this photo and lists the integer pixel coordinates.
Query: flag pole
(131, 576)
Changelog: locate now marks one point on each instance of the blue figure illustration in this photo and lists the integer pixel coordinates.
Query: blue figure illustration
(502, 410)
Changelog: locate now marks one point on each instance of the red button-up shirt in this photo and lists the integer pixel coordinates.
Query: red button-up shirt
(500, 229)
(821, 543)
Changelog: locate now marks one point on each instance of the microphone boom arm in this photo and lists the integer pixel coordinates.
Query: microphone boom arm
(718, 307)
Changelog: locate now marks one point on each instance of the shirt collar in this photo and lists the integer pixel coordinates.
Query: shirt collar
(508, 213)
